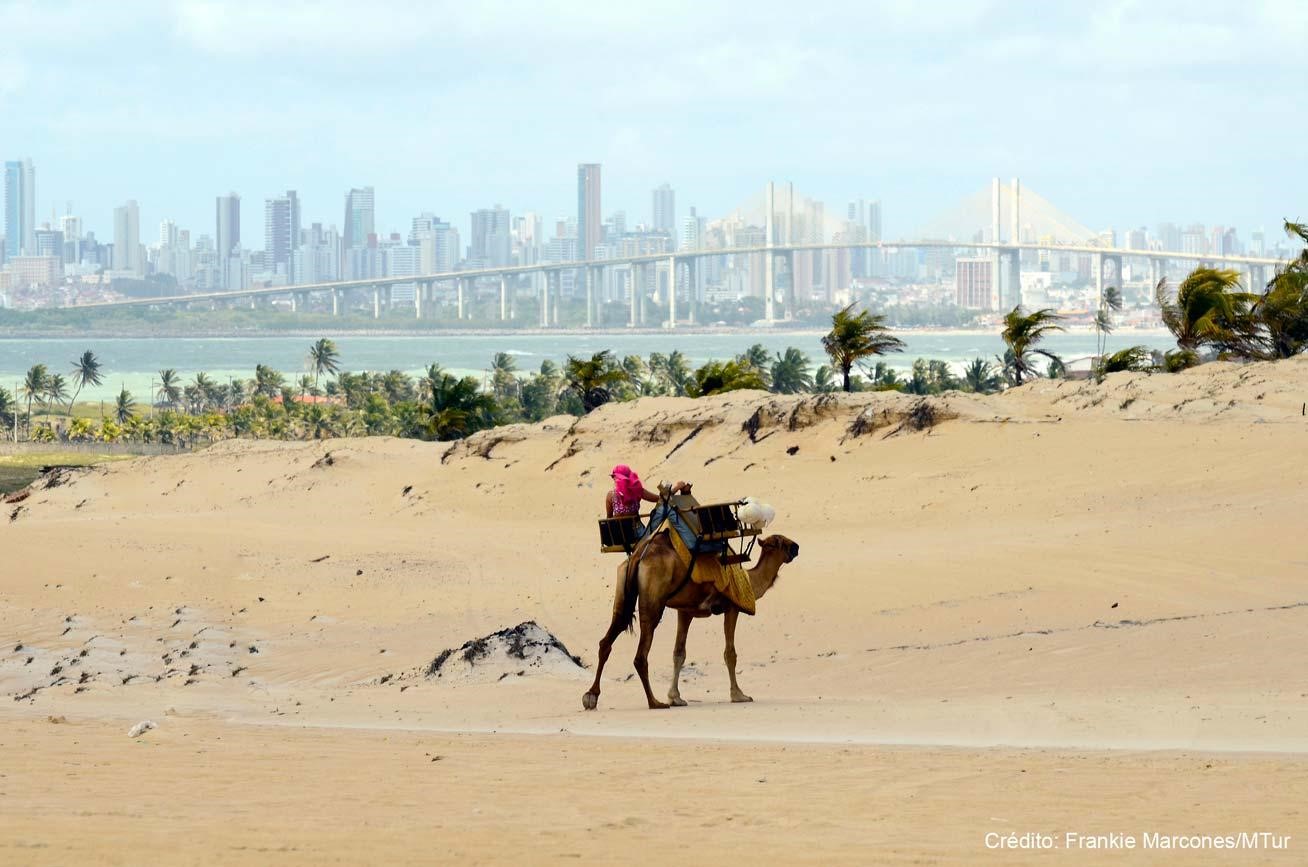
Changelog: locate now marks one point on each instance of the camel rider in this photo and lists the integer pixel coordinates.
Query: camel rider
(628, 492)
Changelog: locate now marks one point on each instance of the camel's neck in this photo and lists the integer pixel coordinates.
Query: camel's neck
(764, 573)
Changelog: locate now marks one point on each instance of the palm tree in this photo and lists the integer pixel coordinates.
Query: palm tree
(677, 373)
(203, 392)
(757, 357)
(1282, 311)
(170, 388)
(56, 389)
(1131, 358)
(979, 376)
(1022, 332)
(717, 377)
(8, 411)
(823, 380)
(592, 379)
(267, 381)
(86, 371)
(456, 407)
(1208, 311)
(790, 372)
(34, 385)
(854, 337)
(124, 406)
(324, 358)
(504, 380)
(1110, 301)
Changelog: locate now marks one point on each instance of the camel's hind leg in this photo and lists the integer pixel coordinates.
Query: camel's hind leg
(684, 619)
(625, 585)
(729, 653)
(650, 615)
(591, 698)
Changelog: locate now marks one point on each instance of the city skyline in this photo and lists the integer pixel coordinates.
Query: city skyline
(846, 101)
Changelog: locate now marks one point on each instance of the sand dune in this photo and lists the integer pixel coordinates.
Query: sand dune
(1053, 579)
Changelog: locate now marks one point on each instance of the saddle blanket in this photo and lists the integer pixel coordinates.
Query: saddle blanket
(729, 580)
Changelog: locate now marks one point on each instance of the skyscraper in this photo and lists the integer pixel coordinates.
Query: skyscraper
(127, 239)
(665, 209)
(281, 234)
(228, 233)
(20, 208)
(589, 221)
(359, 217)
(491, 236)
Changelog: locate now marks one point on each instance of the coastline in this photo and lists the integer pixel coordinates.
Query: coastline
(690, 330)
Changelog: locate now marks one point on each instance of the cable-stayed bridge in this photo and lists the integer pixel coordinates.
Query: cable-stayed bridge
(1028, 214)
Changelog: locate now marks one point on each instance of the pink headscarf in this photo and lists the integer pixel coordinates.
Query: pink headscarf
(627, 484)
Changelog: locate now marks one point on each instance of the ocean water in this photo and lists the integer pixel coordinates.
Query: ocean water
(134, 362)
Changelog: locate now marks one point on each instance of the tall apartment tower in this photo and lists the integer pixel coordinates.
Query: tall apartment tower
(281, 234)
(665, 209)
(589, 222)
(360, 215)
(227, 232)
(20, 208)
(127, 239)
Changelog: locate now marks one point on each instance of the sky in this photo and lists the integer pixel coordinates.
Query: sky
(1121, 113)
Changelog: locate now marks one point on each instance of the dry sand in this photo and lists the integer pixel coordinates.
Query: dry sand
(1071, 607)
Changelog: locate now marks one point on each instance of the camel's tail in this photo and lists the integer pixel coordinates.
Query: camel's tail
(625, 615)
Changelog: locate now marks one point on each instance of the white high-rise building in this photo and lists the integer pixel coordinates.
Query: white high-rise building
(665, 209)
(227, 236)
(127, 240)
(20, 208)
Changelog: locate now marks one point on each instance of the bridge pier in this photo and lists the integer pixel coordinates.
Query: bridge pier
(588, 274)
(459, 283)
(692, 283)
(672, 292)
(769, 265)
(504, 297)
(631, 308)
(376, 303)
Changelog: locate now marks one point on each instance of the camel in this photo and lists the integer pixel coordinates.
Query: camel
(658, 582)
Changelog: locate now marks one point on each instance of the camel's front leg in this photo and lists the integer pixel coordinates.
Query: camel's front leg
(729, 654)
(684, 619)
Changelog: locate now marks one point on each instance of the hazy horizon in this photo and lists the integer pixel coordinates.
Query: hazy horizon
(1122, 115)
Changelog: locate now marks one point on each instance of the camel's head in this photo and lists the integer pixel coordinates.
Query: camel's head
(788, 548)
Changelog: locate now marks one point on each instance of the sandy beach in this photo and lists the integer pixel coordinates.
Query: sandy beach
(1072, 607)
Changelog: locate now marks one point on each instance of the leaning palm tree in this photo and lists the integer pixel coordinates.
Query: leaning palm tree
(324, 358)
(170, 389)
(1022, 333)
(34, 385)
(86, 371)
(1208, 311)
(790, 372)
(204, 391)
(124, 406)
(593, 379)
(854, 337)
